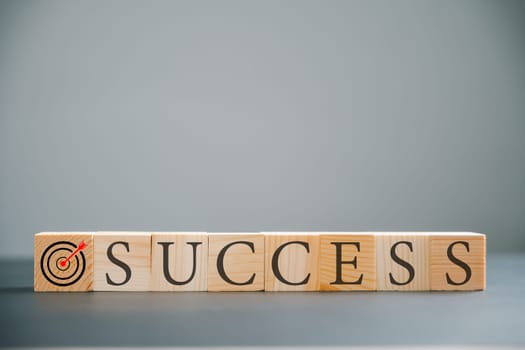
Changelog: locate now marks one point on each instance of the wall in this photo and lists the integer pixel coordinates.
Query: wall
(269, 115)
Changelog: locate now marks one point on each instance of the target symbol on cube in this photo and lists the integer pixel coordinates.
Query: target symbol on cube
(63, 263)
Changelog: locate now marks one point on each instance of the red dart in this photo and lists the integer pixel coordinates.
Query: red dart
(81, 246)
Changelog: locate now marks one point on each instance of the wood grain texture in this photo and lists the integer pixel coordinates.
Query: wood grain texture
(51, 248)
(390, 272)
(180, 248)
(468, 248)
(240, 263)
(358, 246)
(132, 249)
(294, 262)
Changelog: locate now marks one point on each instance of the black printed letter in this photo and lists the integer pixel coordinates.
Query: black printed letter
(165, 262)
(275, 263)
(403, 263)
(119, 263)
(468, 271)
(339, 263)
(220, 264)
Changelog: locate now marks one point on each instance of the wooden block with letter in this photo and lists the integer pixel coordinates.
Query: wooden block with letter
(63, 262)
(291, 261)
(122, 261)
(179, 261)
(236, 262)
(457, 261)
(348, 261)
(403, 261)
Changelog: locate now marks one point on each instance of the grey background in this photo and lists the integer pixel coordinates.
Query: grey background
(262, 115)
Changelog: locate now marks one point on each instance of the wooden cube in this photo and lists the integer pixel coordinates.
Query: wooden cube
(403, 261)
(457, 261)
(348, 261)
(122, 261)
(179, 261)
(291, 261)
(236, 262)
(63, 262)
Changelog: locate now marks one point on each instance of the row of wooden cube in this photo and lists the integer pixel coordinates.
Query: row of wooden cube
(273, 261)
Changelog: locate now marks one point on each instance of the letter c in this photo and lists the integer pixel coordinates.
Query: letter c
(220, 263)
(275, 263)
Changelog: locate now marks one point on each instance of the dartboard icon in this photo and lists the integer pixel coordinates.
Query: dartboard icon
(63, 263)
